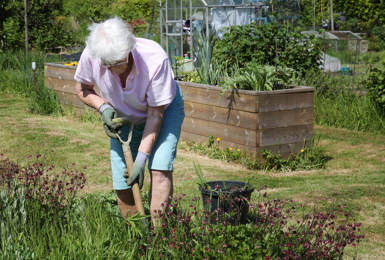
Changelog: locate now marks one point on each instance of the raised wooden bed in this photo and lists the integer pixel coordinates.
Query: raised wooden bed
(279, 121)
(60, 78)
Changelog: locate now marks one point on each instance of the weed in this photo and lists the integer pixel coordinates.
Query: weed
(311, 156)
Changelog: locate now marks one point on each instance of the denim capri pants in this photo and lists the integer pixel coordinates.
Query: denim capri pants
(163, 153)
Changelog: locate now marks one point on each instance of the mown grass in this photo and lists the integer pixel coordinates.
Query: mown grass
(354, 175)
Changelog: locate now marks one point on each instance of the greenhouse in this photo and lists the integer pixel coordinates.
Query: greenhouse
(180, 20)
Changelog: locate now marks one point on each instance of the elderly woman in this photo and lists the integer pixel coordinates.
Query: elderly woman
(135, 81)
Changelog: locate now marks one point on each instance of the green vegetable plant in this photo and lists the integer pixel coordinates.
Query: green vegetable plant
(208, 70)
(261, 78)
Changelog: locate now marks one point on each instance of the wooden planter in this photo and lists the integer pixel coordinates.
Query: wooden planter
(279, 121)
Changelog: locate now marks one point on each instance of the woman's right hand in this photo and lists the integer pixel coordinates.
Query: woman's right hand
(108, 113)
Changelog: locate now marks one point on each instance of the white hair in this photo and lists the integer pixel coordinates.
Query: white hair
(110, 40)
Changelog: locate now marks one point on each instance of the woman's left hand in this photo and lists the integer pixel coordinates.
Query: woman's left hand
(137, 170)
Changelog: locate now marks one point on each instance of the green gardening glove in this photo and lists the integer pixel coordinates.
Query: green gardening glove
(137, 173)
(108, 113)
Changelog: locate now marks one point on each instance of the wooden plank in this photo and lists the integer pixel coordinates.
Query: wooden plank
(70, 99)
(249, 120)
(245, 100)
(285, 150)
(78, 110)
(295, 89)
(229, 133)
(276, 119)
(287, 101)
(221, 115)
(62, 85)
(211, 95)
(59, 72)
(285, 135)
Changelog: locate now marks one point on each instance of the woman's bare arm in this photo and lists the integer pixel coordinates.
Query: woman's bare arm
(152, 128)
(87, 95)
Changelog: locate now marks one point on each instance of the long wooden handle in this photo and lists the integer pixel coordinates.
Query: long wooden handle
(135, 186)
(130, 163)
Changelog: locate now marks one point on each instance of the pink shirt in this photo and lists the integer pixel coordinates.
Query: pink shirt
(150, 82)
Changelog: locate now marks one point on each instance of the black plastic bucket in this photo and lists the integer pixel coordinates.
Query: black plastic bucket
(229, 197)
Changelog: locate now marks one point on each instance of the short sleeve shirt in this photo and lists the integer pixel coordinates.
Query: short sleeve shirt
(150, 83)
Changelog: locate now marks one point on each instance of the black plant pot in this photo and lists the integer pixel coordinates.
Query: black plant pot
(226, 201)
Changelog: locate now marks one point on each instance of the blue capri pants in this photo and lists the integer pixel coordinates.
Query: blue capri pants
(163, 153)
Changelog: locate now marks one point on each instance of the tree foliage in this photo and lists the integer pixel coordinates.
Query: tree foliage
(45, 27)
(368, 12)
(141, 14)
(53, 23)
(361, 15)
(376, 86)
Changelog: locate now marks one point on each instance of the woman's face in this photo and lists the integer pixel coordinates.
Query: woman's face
(118, 67)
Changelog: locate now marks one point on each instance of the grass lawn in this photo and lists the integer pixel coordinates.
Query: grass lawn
(355, 175)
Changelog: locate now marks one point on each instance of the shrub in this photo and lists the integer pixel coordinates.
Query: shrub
(376, 86)
(372, 57)
(269, 45)
(377, 38)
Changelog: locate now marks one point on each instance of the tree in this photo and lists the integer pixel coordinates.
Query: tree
(45, 29)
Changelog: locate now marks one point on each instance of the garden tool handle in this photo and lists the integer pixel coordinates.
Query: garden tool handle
(130, 163)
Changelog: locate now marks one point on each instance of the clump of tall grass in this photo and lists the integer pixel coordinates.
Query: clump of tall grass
(350, 111)
(16, 77)
(339, 103)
